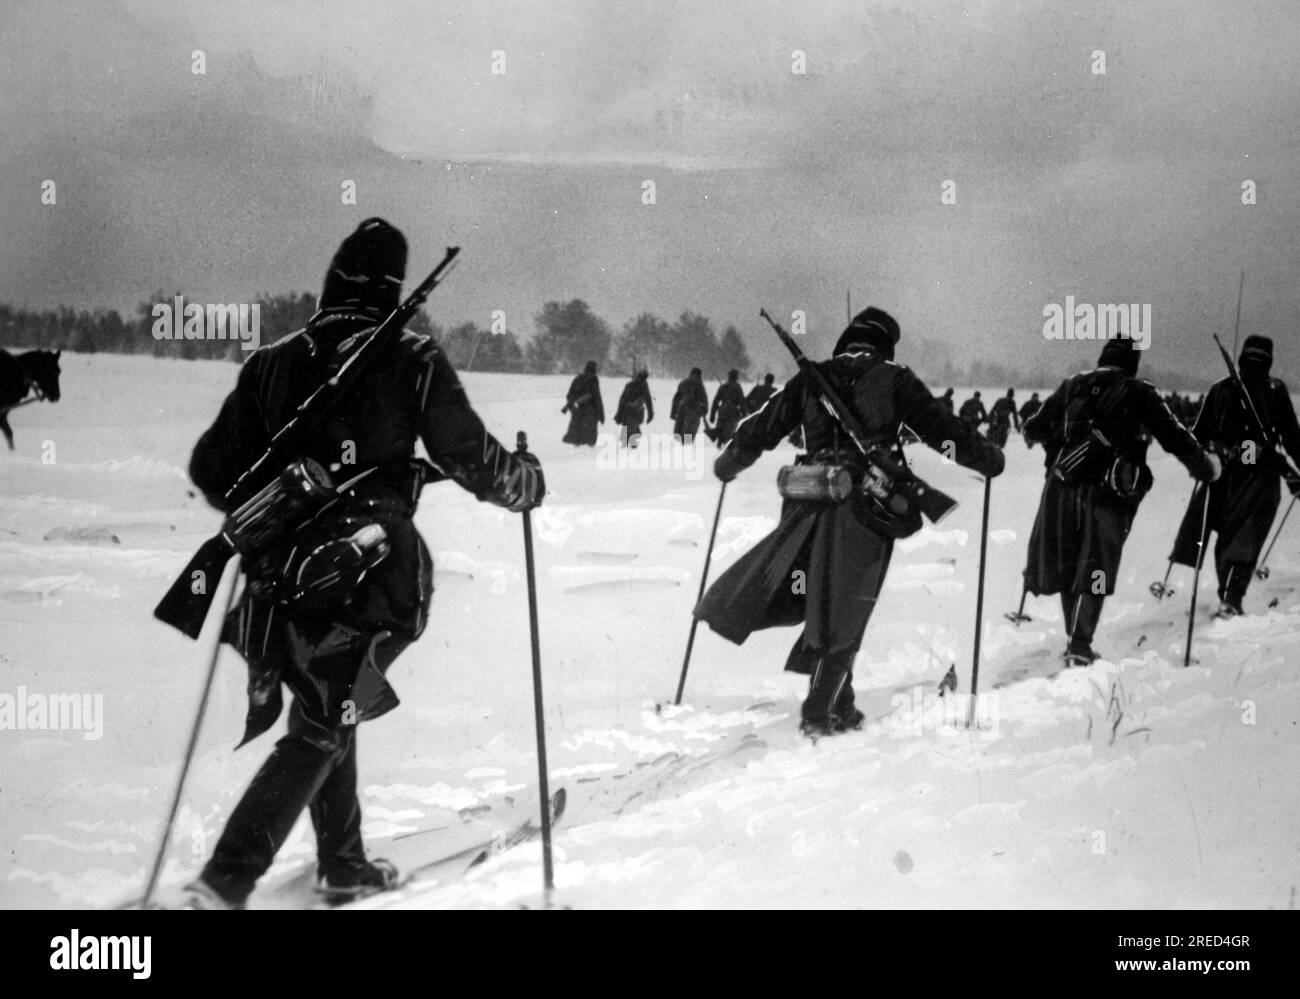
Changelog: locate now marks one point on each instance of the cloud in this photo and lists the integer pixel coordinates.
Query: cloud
(774, 187)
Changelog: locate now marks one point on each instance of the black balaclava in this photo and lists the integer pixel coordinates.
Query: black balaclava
(1121, 353)
(874, 327)
(1256, 358)
(366, 273)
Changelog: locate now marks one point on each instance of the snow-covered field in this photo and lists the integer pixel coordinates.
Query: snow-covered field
(1132, 783)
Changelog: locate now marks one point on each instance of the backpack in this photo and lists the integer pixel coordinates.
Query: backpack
(1088, 457)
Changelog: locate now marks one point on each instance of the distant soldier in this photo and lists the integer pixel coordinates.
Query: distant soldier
(1028, 410)
(1001, 416)
(824, 565)
(690, 403)
(585, 407)
(946, 400)
(728, 409)
(635, 406)
(759, 394)
(972, 412)
(1243, 502)
(1091, 429)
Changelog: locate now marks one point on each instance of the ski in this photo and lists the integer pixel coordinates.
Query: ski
(526, 831)
(474, 855)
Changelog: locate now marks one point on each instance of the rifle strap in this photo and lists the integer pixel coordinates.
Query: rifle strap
(1093, 409)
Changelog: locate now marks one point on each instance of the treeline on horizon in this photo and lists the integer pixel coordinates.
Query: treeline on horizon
(566, 336)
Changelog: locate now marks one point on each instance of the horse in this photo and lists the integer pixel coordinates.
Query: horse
(35, 371)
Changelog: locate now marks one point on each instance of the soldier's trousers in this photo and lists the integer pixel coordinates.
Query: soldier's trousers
(313, 766)
(1082, 612)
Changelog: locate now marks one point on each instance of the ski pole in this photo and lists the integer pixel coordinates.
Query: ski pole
(704, 578)
(1162, 590)
(979, 606)
(1196, 576)
(539, 717)
(1262, 571)
(231, 571)
(1017, 616)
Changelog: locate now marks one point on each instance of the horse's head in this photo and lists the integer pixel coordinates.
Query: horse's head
(42, 367)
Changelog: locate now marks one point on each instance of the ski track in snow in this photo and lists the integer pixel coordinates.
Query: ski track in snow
(1133, 782)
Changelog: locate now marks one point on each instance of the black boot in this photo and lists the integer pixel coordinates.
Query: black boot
(347, 883)
(850, 718)
(821, 708)
(1082, 612)
(1232, 591)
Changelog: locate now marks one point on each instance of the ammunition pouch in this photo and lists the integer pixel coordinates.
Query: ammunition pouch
(287, 501)
(880, 503)
(1084, 462)
(1128, 480)
(292, 557)
(815, 483)
(320, 571)
(1095, 461)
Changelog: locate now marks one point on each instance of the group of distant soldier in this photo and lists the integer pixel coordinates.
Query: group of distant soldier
(689, 411)
(1000, 419)
(1004, 416)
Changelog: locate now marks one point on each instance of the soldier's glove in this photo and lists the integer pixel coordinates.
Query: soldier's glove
(1293, 483)
(1216, 466)
(524, 486)
(728, 464)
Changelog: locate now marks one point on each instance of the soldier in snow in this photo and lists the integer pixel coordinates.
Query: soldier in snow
(635, 406)
(1027, 410)
(759, 394)
(690, 403)
(972, 412)
(585, 407)
(728, 409)
(1001, 416)
(1243, 502)
(1092, 429)
(330, 643)
(824, 565)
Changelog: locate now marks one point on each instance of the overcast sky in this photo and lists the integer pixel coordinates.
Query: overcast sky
(772, 188)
